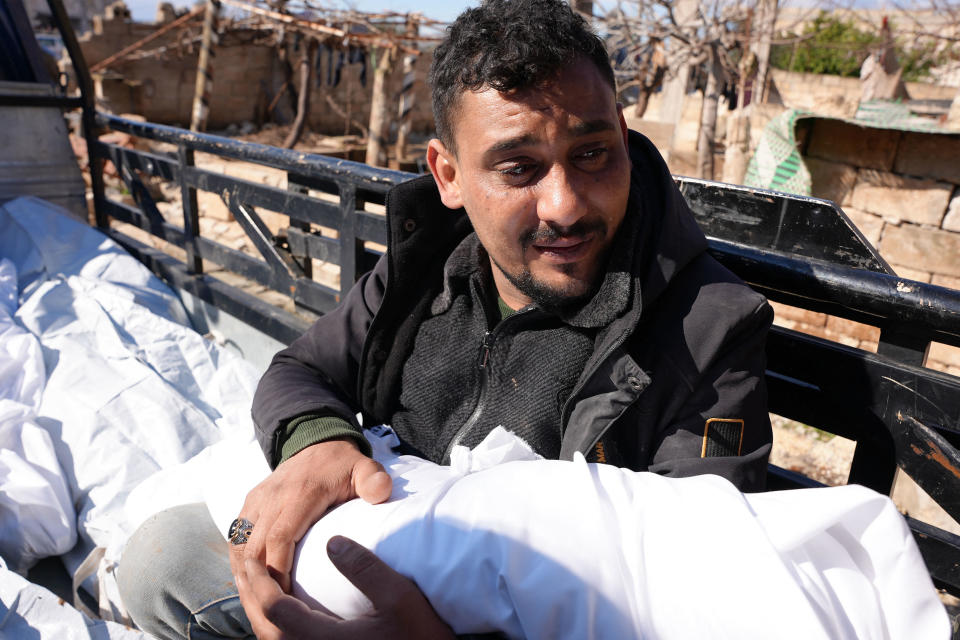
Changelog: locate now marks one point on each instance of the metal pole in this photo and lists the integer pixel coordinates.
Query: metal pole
(201, 94)
(85, 84)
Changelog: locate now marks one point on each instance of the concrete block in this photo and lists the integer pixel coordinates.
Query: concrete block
(951, 221)
(860, 146)
(929, 155)
(870, 225)
(911, 274)
(849, 328)
(257, 173)
(831, 180)
(842, 338)
(944, 353)
(815, 330)
(900, 198)
(801, 316)
(945, 281)
(210, 205)
(274, 221)
(932, 250)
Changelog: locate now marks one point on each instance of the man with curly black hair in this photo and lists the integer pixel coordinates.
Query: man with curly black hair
(547, 276)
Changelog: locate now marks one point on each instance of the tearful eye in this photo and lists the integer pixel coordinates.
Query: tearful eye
(593, 154)
(515, 170)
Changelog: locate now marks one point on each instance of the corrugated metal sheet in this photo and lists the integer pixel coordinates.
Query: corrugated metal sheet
(35, 154)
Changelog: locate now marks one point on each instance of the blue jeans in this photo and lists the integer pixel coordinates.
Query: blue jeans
(175, 578)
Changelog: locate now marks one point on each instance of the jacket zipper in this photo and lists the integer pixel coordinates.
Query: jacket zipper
(483, 363)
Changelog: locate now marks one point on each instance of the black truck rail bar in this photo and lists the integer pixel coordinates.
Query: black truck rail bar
(899, 413)
(800, 251)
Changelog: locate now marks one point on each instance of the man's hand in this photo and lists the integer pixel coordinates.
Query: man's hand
(291, 499)
(400, 610)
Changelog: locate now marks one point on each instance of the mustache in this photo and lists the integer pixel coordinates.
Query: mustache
(550, 233)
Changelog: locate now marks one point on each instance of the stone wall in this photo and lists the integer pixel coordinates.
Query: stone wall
(247, 74)
(823, 94)
(902, 190)
(838, 96)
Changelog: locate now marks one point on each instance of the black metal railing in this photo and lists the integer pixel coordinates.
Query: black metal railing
(285, 260)
(899, 413)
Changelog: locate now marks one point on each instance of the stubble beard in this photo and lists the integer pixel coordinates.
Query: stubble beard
(575, 291)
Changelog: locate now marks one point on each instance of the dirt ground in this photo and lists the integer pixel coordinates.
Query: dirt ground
(826, 458)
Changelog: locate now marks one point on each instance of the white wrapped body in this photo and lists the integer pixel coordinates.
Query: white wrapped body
(504, 541)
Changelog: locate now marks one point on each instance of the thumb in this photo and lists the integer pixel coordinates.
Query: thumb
(370, 481)
(365, 570)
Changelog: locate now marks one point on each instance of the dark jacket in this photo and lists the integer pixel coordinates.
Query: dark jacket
(674, 383)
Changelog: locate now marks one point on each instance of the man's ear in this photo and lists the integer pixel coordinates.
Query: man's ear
(443, 166)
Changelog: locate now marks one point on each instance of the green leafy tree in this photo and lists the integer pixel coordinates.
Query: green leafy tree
(827, 45)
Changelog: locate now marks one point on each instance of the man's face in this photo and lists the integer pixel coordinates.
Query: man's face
(544, 177)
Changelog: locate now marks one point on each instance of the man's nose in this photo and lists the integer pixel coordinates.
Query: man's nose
(561, 202)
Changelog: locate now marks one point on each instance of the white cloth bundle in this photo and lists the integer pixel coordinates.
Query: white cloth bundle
(108, 386)
(36, 515)
(30, 611)
(501, 540)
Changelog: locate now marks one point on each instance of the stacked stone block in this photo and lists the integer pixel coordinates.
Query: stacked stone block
(837, 96)
(902, 190)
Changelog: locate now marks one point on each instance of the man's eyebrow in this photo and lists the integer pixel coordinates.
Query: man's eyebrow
(577, 130)
(591, 126)
(510, 143)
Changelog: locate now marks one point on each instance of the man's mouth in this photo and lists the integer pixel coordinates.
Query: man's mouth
(564, 249)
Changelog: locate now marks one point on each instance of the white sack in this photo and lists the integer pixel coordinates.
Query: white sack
(130, 388)
(44, 242)
(36, 515)
(548, 549)
(30, 611)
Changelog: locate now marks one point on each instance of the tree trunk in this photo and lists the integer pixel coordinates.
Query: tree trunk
(766, 21)
(650, 77)
(307, 66)
(736, 154)
(643, 98)
(379, 118)
(953, 117)
(583, 6)
(201, 93)
(407, 95)
(708, 119)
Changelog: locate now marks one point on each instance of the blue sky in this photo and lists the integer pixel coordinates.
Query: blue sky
(144, 10)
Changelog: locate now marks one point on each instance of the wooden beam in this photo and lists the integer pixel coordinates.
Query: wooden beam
(106, 62)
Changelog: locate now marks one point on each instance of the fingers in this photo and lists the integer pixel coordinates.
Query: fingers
(280, 537)
(371, 482)
(283, 615)
(282, 508)
(367, 572)
(401, 610)
(262, 628)
(296, 494)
